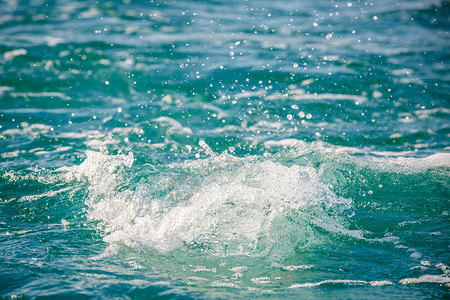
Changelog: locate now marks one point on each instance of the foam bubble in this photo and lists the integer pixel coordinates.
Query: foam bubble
(332, 282)
(426, 279)
(222, 205)
(294, 268)
(261, 280)
(98, 165)
(345, 282)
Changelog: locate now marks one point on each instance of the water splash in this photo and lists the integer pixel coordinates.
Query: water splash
(223, 205)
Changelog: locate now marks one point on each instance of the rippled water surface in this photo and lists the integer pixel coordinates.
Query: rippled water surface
(224, 149)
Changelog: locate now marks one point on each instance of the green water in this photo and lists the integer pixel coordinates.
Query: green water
(224, 149)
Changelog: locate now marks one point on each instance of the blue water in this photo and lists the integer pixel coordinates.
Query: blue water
(224, 149)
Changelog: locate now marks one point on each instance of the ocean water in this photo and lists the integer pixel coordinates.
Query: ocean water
(224, 149)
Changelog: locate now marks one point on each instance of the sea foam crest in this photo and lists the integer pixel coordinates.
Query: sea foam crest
(222, 205)
(101, 171)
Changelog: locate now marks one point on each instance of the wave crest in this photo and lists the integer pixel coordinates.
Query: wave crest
(222, 205)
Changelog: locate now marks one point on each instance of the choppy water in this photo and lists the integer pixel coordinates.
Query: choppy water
(224, 149)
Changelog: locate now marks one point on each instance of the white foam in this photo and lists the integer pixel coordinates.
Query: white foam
(10, 154)
(13, 53)
(294, 268)
(381, 283)
(225, 211)
(261, 280)
(444, 268)
(225, 284)
(411, 164)
(4, 89)
(346, 282)
(337, 281)
(438, 160)
(98, 167)
(238, 271)
(203, 269)
(229, 208)
(426, 279)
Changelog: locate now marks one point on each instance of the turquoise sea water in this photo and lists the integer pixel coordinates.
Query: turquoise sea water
(224, 149)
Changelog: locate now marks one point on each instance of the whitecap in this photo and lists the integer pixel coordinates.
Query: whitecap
(235, 207)
(426, 279)
(346, 282)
